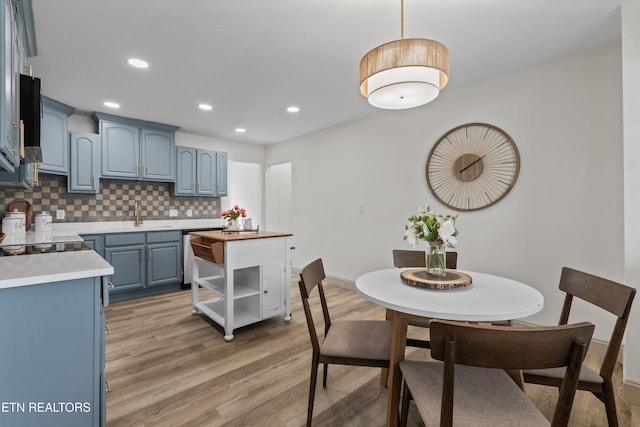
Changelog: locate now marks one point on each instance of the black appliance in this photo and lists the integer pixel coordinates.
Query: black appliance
(31, 116)
(43, 248)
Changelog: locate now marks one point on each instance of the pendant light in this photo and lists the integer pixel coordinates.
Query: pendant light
(404, 73)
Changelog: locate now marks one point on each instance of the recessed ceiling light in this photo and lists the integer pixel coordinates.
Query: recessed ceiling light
(205, 107)
(111, 104)
(293, 109)
(138, 63)
(241, 130)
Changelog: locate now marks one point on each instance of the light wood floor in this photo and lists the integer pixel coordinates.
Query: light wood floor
(167, 367)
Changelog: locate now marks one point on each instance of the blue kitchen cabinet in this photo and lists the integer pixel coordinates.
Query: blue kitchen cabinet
(24, 176)
(54, 138)
(126, 253)
(186, 171)
(18, 42)
(206, 173)
(52, 354)
(201, 172)
(158, 155)
(144, 263)
(120, 150)
(136, 149)
(85, 161)
(164, 258)
(221, 174)
(95, 242)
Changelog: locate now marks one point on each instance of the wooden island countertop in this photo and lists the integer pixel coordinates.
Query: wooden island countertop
(227, 236)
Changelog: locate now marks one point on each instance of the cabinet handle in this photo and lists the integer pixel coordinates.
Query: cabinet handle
(106, 383)
(266, 291)
(110, 285)
(145, 171)
(19, 125)
(36, 176)
(22, 139)
(149, 254)
(93, 178)
(106, 329)
(137, 169)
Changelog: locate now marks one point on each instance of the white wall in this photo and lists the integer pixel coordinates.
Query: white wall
(631, 106)
(278, 209)
(245, 189)
(566, 208)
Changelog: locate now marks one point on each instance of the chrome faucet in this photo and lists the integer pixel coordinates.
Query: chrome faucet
(136, 214)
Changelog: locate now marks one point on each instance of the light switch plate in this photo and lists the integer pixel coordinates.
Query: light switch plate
(60, 214)
(189, 213)
(173, 212)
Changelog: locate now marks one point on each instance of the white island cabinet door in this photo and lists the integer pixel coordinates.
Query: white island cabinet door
(273, 286)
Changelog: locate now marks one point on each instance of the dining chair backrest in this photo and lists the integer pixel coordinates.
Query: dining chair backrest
(311, 277)
(413, 258)
(505, 347)
(613, 297)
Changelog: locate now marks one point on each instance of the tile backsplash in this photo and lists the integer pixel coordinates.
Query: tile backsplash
(114, 202)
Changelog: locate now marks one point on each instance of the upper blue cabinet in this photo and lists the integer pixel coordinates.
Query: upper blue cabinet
(201, 172)
(18, 43)
(137, 149)
(54, 138)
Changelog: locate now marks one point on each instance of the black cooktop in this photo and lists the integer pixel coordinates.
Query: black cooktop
(43, 249)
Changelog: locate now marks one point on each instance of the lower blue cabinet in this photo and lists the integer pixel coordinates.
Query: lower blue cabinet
(52, 354)
(144, 263)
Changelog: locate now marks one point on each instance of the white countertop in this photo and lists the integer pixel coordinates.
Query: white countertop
(23, 270)
(129, 226)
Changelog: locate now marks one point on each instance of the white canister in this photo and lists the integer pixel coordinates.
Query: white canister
(14, 223)
(43, 222)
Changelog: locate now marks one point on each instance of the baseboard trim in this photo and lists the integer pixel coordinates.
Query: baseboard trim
(343, 283)
(329, 280)
(631, 392)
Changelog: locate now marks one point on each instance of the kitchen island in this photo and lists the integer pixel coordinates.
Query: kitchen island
(52, 338)
(249, 274)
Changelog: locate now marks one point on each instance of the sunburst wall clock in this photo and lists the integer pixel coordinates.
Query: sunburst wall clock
(472, 166)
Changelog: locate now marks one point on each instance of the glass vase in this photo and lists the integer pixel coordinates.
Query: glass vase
(436, 259)
(233, 224)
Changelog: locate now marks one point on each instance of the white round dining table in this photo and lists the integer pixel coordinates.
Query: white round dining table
(487, 298)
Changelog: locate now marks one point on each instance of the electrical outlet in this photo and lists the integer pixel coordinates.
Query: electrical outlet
(60, 214)
(173, 212)
(189, 213)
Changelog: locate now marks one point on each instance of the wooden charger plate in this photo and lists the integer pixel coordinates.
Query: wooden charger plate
(452, 280)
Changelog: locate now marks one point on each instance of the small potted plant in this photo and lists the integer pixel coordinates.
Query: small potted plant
(231, 217)
(439, 231)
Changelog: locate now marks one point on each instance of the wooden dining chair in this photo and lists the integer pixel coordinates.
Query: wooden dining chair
(613, 297)
(475, 358)
(411, 258)
(346, 342)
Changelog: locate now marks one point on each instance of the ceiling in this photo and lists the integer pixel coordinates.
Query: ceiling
(251, 59)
